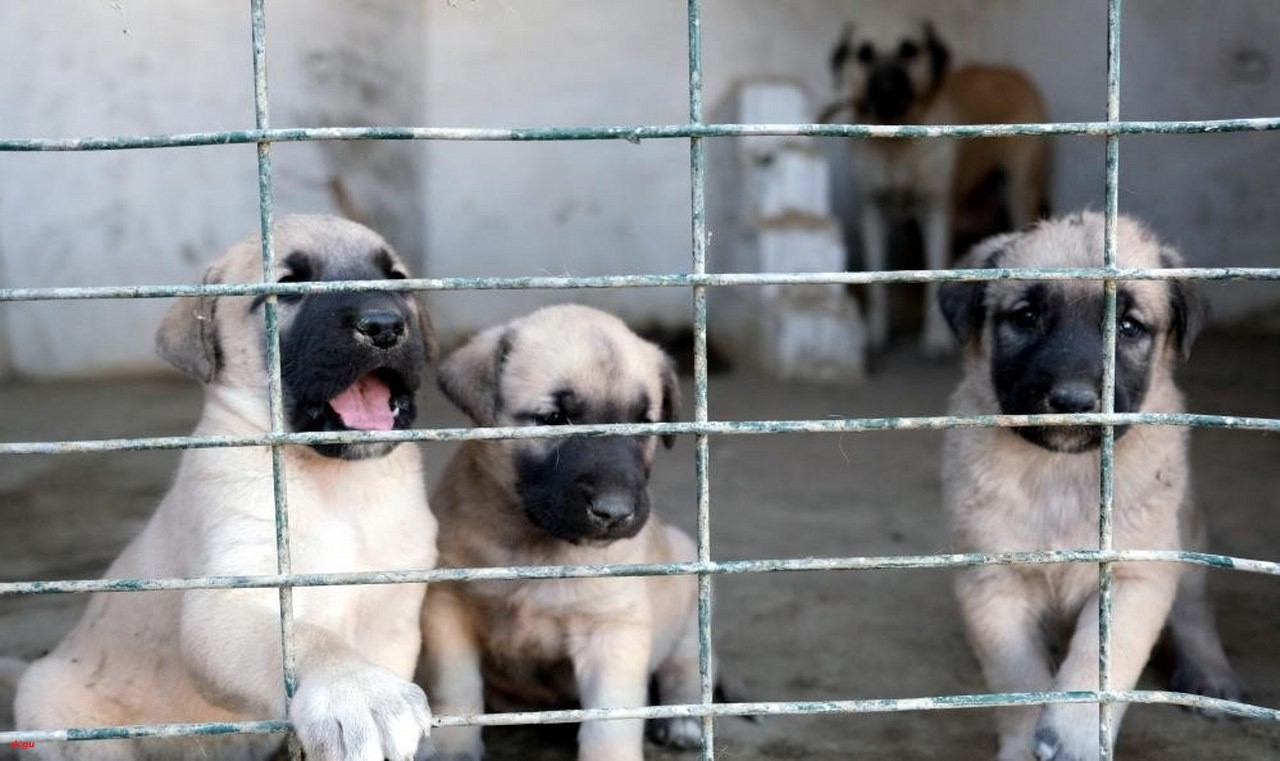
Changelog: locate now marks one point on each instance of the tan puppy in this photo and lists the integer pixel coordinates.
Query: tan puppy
(1036, 347)
(350, 361)
(559, 501)
(892, 71)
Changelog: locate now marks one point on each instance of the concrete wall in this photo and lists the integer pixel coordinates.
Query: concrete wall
(151, 66)
(158, 216)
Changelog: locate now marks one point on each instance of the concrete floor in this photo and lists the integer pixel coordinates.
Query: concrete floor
(798, 636)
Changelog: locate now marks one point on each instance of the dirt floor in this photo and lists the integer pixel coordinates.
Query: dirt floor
(797, 636)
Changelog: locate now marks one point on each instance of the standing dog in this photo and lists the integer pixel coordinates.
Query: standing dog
(1036, 347)
(560, 501)
(895, 72)
(350, 361)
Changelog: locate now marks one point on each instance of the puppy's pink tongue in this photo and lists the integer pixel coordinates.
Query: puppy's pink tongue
(365, 406)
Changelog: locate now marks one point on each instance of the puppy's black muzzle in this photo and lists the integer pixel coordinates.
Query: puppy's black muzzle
(587, 490)
(1062, 374)
(352, 361)
(889, 93)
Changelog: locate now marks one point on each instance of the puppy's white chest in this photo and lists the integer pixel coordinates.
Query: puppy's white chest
(365, 522)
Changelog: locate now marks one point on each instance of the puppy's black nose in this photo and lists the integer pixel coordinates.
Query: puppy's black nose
(612, 508)
(381, 327)
(1073, 397)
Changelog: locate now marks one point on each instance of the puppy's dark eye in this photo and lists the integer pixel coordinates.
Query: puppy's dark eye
(292, 277)
(908, 50)
(1024, 317)
(1131, 328)
(866, 53)
(551, 418)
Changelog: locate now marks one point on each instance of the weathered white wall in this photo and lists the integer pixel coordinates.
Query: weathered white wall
(1213, 195)
(88, 67)
(589, 208)
(140, 67)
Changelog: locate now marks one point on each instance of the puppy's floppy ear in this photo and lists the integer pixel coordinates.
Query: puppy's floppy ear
(964, 302)
(1188, 307)
(939, 54)
(428, 331)
(840, 53)
(470, 376)
(670, 399)
(188, 336)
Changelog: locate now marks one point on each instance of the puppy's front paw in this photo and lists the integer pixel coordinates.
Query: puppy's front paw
(1067, 735)
(365, 713)
(683, 732)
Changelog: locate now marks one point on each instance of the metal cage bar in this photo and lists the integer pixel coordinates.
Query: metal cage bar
(1107, 449)
(275, 387)
(702, 427)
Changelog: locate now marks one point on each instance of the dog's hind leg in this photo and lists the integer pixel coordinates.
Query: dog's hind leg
(677, 681)
(1201, 665)
(1028, 178)
(936, 340)
(875, 256)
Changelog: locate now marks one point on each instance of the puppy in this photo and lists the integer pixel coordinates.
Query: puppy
(1036, 347)
(350, 361)
(560, 501)
(897, 72)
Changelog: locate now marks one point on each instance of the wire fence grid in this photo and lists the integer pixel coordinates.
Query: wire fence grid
(702, 428)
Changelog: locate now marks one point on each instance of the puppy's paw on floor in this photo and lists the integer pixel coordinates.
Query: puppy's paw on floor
(683, 732)
(367, 713)
(1072, 744)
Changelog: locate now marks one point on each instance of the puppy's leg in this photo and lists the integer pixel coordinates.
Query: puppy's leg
(1201, 665)
(678, 681)
(1003, 626)
(450, 670)
(611, 666)
(345, 707)
(936, 340)
(875, 255)
(1141, 599)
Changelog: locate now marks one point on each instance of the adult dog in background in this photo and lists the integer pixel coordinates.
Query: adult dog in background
(1036, 347)
(350, 361)
(599, 641)
(892, 71)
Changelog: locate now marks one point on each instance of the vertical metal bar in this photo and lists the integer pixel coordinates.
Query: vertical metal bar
(275, 396)
(697, 200)
(1107, 453)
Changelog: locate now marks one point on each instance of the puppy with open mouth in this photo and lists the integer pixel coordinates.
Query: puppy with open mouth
(602, 642)
(1035, 347)
(350, 361)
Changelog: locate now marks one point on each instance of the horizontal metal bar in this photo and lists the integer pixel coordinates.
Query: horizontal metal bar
(637, 133)
(716, 427)
(721, 567)
(758, 708)
(872, 705)
(203, 729)
(632, 281)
